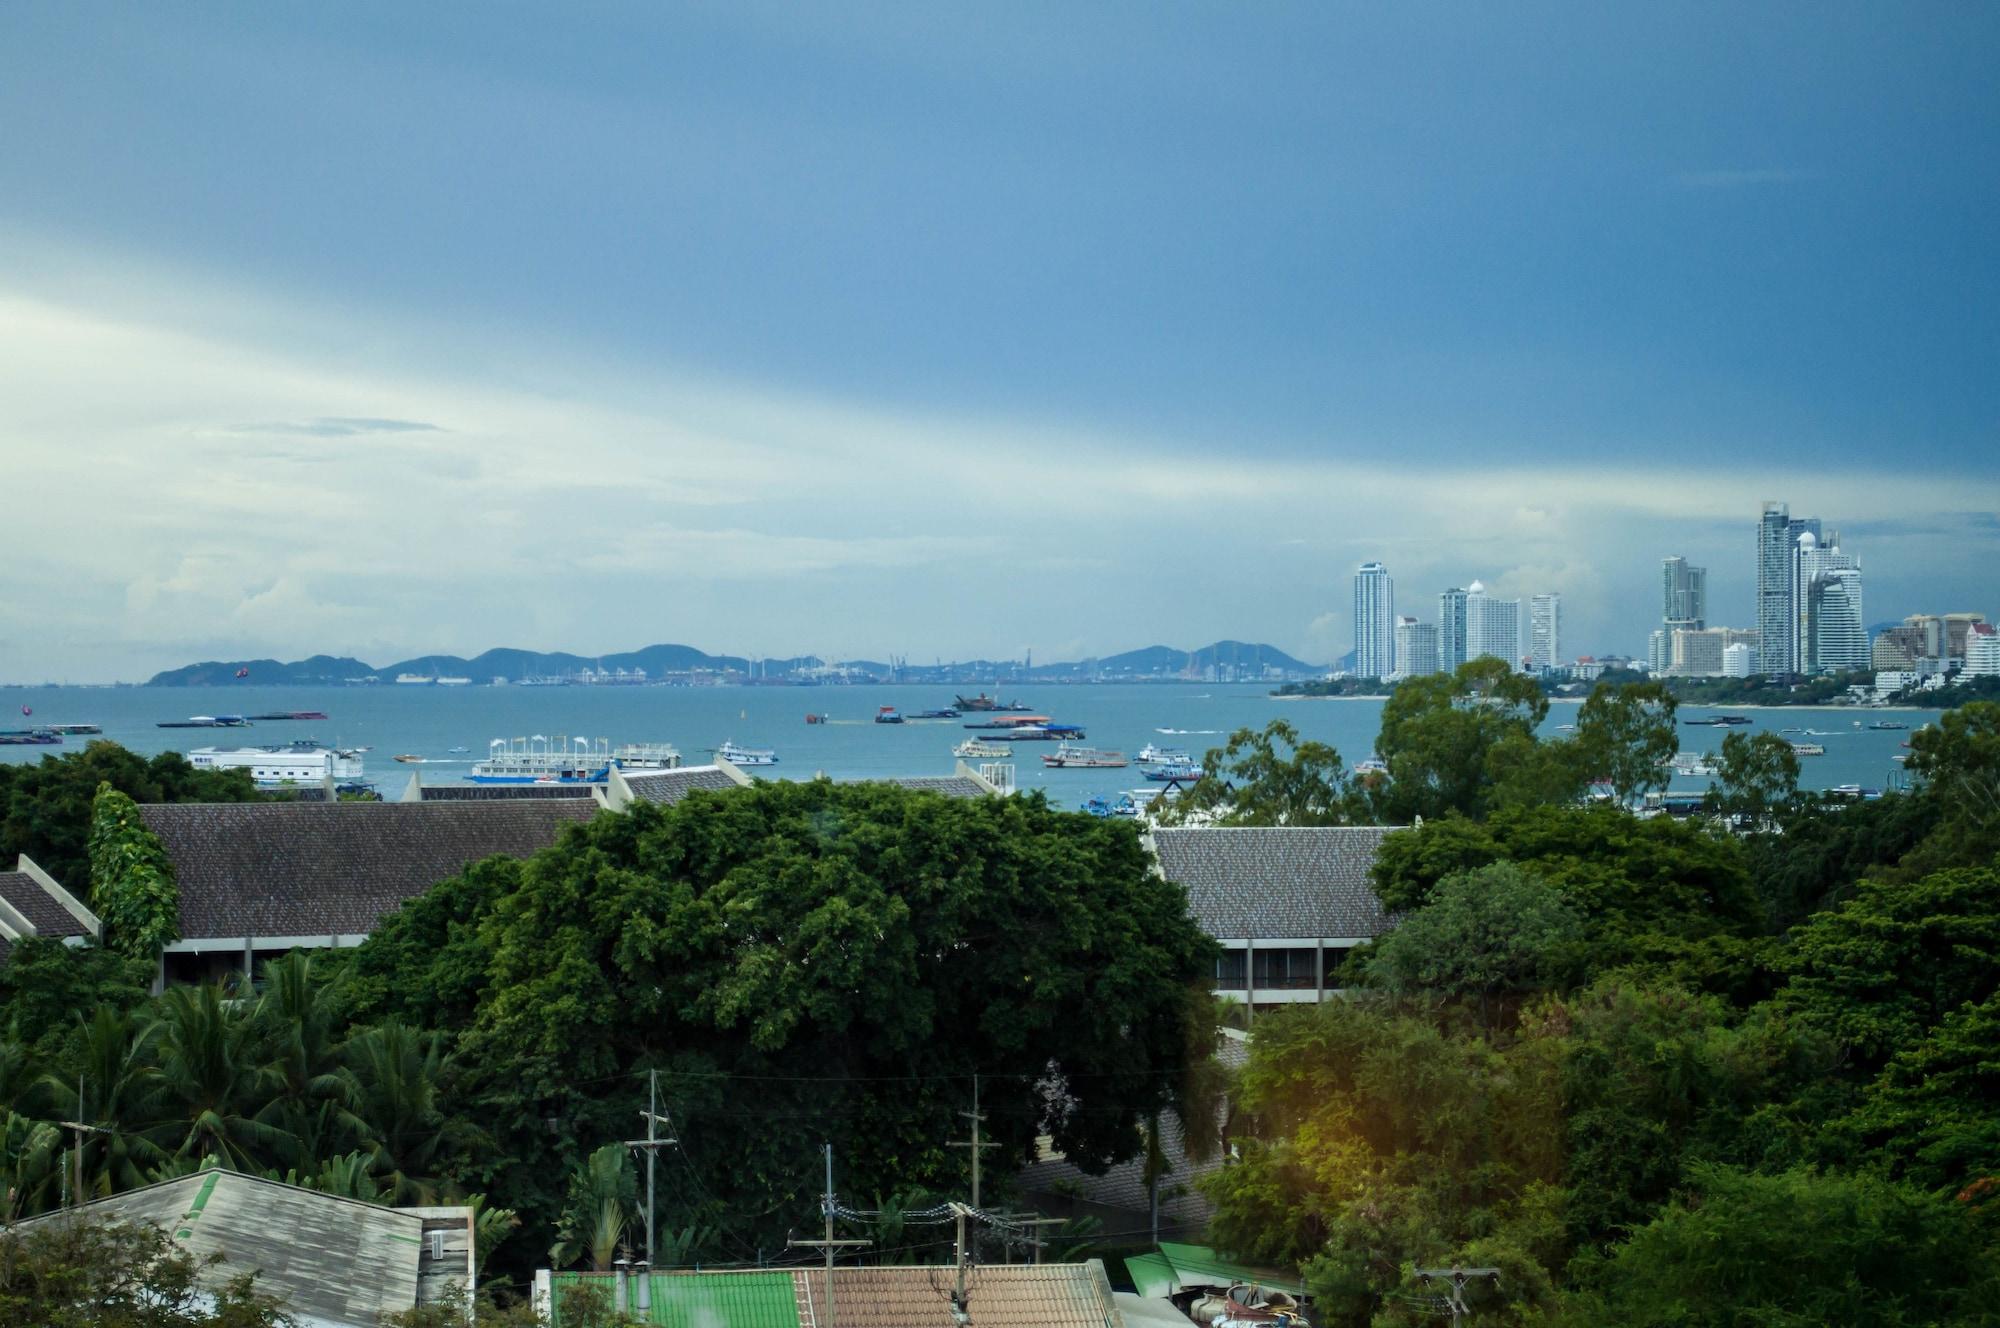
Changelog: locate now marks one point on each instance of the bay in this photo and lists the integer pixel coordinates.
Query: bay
(430, 721)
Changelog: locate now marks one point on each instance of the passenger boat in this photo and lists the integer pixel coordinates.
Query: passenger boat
(1374, 765)
(1185, 772)
(1069, 756)
(1887, 724)
(206, 722)
(1691, 765)
(974, 749)
(543, 760)
(647, 756)
(1154, 754)
(282, 764)
(1045, 733)
(30, 738)
(888, 715)
(736, 755)
(1011, 722)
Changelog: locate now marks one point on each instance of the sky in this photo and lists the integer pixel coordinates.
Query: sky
(959, 331)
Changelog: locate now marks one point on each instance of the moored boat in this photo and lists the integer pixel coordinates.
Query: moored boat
(1154, 754)
(283, 764)
(1183, 773)
(1808, 749)
(292, 714)
(737, 755)
(888, 715)
(976, 749)
(946, 713)
(1072, 757)
(1010, 722)
(30, 738)
(543, 760)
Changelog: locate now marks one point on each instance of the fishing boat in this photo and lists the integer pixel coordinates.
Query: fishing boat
(974, 749)
(30, 738)
(1122, 805)
(888, 715)
(736, 755)
(812, 718)
(544, 760)
(1071, 757)
(1154, 754)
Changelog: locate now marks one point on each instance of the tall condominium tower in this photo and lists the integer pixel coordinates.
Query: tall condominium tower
(1777, 605)
(1374, 622)
(1683, 595)
(1416, 648)
(1826, 597)
(1545, 613)
(1492, 626)
(1451, 628)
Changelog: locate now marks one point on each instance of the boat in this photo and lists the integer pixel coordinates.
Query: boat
(454, 682)
(1565, 728)
(815, 719)
(30, 738)
(647, 756)
(460, 751)
(1045, 733)
(1732, 721)
(206, 722)
(1071, 757)
(1122, 805)
(282, 764)
(1154, 754)
(72, 729)
(976, 749)
(946, 713)
(1010, 722)
(1691, 765)
(542, 760)
(1887, 724)
(415, 679)
(408, 758)
(1374, 765)
(985, 702)
(1808, 749)
(736, 755)
(292, 714)
(1184, 773)
(888, 715)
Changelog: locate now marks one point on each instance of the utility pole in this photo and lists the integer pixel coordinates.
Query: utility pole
(1454, 1279)
(828, 1243)
(77, 1130)
(652, 1143)
(973, 1144)
(960, 1310)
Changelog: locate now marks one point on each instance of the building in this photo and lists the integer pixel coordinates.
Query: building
(1982, 651)
(1703, 652)
(1958, 629)
(334, 1262)
(1022, 1295)
(1902, 647)
(1683, 594)
(1777, 614)
(1287, 903)
(1451, 630)
(1544, 632)
(1374, 622)
(1826, 597)
(1739, 660)
(261, 878)
(32, 904)
(1492, 626)
(1417, 654)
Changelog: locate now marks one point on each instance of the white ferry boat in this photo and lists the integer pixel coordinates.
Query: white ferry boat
(736, 755)
(278, 766)
(544, 760)
(1154, 754)
(415, 679)
(1068, 756)
(975, 749)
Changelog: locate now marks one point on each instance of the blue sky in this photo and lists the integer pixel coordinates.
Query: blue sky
(941, 331)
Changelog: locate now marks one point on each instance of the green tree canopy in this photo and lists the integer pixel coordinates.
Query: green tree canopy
(1446, 739)
(1958, 761)
(1483, 935)
(131, 878)
(1268, 778)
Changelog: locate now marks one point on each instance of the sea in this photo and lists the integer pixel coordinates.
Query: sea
(429, 721)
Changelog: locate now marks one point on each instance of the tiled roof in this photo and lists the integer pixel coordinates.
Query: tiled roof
(333, 1261)
(48, 917)
(670, 786)
(1277, 882)
(306, 869)
(500, 792)
(952, 786)
(1059, 1295)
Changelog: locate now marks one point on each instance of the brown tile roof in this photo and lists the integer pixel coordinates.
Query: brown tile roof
(320, 869)
(1276, 882)
(1062, 1295)
(39, 907)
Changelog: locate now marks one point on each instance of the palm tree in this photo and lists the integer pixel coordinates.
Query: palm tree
(311, 1095)
(31, 1161)
(211, 1083)
(603, 1197)
(112, 1088)
(394, 1072)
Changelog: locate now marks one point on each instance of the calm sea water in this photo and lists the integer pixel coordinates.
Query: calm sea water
(430, 721)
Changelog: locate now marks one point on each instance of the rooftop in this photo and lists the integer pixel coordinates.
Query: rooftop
(1254, 883)
(334, 869)
(670, 786)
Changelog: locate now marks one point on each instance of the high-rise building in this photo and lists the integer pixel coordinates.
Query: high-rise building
(1374, 622)
(1826, 599)
(1544, 632)
(1982, 650)
(1777, 605)
(1416, 648)
(1492, 626)
(1703, 652)
(1739, 660)
(1451, 629)
(1683, 595)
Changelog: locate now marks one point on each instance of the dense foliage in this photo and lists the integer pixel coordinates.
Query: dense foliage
(84, 1275)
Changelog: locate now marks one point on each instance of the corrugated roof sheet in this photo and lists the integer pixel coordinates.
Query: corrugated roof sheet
(305, 869)
(733, 1299)
(1277, 882)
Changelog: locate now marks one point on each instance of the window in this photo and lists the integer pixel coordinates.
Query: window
(1286, 970)
(1229, 971)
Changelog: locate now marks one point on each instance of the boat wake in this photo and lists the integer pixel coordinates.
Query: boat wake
(1195, 732)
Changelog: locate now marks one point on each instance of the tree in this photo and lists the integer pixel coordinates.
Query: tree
(1930, 1114)
(602, 1207)
(1757, 777)
(1958, 762)
(211, 1083)
(132, 879)
(1625, 736)
(1796, 1250)
(1440, 734)
(110, 1275)
(1268, 778)
(395, 1073)
(306, 1093)
(1485, 934)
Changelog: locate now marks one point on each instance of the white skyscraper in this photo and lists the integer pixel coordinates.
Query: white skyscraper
(1416, 649)
(1545, 614)
(1374, 622)
(1492, 626)
(1826, 597)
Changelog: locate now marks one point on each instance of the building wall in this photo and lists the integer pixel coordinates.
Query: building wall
(1544, 632)
(1374, 622)
(1451, 630)
(1416, 648)
(1492, 627)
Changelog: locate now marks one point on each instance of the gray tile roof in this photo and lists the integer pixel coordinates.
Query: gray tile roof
(321, 869)
(333, 1261)
(670, 786)
(35, 904)
(1277, 882)
(500, 792)
(952, 786)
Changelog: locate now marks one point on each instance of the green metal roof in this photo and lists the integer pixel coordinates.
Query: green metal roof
(1199, 1263)
(1152, 1276)
(702, 1300)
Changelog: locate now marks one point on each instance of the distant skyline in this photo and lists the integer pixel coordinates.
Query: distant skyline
(897, 330)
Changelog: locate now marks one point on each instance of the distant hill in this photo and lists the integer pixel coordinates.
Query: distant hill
(1166, 661)
(263, 672)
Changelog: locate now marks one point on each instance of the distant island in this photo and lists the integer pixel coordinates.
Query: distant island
(1220, 661)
